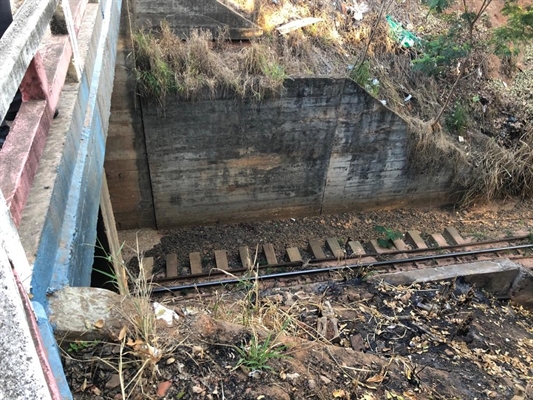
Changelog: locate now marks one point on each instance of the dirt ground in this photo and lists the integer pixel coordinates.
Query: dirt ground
(331, 340)
(341, 339)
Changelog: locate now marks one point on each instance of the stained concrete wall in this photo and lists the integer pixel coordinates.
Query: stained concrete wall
(324, 146)
(126, 165)
(183, 16)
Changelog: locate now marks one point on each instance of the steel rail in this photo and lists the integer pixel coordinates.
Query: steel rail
(335, 268)
(328, 259)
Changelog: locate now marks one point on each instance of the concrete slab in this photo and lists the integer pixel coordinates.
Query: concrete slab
(522, 289)
(496, 277)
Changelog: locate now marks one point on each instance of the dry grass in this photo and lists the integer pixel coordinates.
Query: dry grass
(201, 67)
(502, 172)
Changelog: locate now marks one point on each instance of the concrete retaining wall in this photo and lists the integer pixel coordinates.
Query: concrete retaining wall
(324, 146)
(126, 164)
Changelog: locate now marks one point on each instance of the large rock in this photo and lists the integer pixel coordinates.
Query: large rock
(86, 313)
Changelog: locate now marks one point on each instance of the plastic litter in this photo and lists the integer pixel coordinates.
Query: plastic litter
(167, 315)
(401, 35)
(409, 97)
(384, 102)
(293, 25)
(358, 10)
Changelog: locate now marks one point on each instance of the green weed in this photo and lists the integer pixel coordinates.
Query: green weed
(256, 355)
(80, 345)
(388, 236)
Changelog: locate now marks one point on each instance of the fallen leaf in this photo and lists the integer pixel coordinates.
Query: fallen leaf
(339, 393)
(375, 379)
(122, 333)
(99, 324)
(163, 387)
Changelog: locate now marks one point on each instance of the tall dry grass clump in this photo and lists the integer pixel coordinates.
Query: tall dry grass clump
(432, 151)
(198, 66)
(502, 172)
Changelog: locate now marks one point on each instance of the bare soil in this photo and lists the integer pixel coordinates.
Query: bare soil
(438, 341)
(346, 339)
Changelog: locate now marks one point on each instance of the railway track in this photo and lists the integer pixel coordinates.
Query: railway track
(332, 256)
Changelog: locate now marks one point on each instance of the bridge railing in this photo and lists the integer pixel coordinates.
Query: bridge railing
(19, 44)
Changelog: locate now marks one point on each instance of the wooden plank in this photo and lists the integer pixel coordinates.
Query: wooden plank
(335, 248)
(221, 259)
(172, 265)
(244, 253)
(110, 227)
(376, 248)
(439, 239)
(147, 267)
(356, 248)
(400, 244)
(452, 235)
(416, 239)
(294, 254)
(315, 247)
(270, 255)
(196, 263)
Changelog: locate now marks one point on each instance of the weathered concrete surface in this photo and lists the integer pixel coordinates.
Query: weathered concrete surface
(22, 376)
(126, 165)
(185, 15)
(58, 227)
(325, 146)
(522, 289)
(19, 44)
(85, 313)
(501, 278)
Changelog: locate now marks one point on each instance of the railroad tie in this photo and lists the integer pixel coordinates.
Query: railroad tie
(294, 254)
(452, 235)
(356, 248)
(439, 239)
(376, 248)
(221, 259)
(400, 245)
(334, 246)
(270, 255)
(196, 263)
(315, 247)
(147, 266)
(172, 265)
(244, 253)
(416, 239)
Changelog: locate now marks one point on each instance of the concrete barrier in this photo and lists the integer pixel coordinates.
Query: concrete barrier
(502, 278)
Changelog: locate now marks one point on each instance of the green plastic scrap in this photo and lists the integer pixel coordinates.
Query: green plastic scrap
(401, 35)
